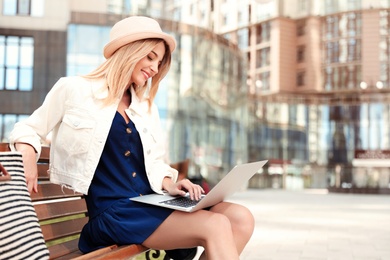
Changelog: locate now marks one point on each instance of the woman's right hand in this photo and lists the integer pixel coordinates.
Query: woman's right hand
(30, 165)
(183, 187)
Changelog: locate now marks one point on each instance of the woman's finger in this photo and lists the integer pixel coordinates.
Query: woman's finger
(195, 191)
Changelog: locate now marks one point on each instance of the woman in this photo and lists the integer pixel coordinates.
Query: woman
(105, 144)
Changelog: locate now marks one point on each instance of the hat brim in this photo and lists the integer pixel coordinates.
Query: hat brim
(114, 45)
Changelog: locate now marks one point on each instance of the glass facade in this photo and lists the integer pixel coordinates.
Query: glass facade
(384, 47)
(85, 47)
(312, 139)
(24, 7)
(7, 122)
(16, 63)
(342, 51)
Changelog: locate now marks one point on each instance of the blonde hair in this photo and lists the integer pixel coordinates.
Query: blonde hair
(117, 69)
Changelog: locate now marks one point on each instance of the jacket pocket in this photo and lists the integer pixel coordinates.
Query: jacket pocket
(76, 132)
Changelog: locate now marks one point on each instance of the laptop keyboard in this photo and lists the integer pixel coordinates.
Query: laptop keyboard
(185, 202)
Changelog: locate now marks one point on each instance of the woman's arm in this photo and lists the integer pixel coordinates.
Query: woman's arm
(29, 164)
(27, 135)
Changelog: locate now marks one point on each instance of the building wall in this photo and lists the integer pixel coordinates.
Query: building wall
(54, 16)
(49, 65)
(283, 57)
(370, 46)
(311, 41)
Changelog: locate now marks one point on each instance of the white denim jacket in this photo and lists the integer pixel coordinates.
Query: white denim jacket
(73, 112)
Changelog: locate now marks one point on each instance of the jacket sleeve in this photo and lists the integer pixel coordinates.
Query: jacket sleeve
(39, 124)
(159, 169)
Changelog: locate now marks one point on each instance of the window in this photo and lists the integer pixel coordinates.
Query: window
(7, 122)
(258, 34)
(225, 20)
(243, 39)
(342, 43)
(301, 54)
(302, 6)
(384, 49)
(263, 32)
(263, 81)
(354, 4)
(240, 17)
(24, 7)
(342, 77)
(16, 63)
(84, 55)
(301, 24)
(331, 6)
(263, 57)
(301, 79)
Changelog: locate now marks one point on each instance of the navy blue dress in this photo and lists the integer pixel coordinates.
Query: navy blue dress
(120, 175)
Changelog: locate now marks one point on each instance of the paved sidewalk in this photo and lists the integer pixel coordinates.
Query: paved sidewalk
(315, 225)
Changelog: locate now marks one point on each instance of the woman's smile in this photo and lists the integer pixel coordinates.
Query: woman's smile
(148, 66)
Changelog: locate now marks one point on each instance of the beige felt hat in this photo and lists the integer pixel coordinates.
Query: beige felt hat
(135, 28)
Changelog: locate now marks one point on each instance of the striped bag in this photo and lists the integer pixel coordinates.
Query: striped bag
(20, 234)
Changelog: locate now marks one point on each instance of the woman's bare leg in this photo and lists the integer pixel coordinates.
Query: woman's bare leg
(202, 228)
(241, 220)
(223, 231)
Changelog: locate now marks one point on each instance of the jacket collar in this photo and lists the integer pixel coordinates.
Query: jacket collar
(99, 89)
(139, 105)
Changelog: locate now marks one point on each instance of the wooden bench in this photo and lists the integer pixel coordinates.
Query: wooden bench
(62, 213)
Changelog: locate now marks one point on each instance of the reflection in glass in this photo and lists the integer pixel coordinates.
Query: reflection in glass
(7, 122)
(16, 65)
(12, 51)
(11, 76)
(1, 78)
(23, 7)
(85, 45)
(26, 52)
(25, 79)
(9, 7)
(37, 8)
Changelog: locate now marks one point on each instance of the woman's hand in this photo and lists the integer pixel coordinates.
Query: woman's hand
(181, 187)
(30, 165)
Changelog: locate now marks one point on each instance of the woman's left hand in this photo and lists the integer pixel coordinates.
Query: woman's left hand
(181, 187)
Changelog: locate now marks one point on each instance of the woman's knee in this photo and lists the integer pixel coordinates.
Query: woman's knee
(244, 216)
(246, 220)
(240, 217)
(218, 222)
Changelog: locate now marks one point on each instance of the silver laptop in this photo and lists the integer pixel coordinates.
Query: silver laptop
(232, 182)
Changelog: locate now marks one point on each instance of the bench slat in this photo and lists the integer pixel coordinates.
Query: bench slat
(63, 229)
(45, 154)
(60, 209)
(43, 171)
(95, 254)
(64, 249)
(123, 252)
(50, 191)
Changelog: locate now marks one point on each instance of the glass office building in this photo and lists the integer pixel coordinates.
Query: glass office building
(317, 73)
(202, 100)
(329, 125)
(306, 87)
